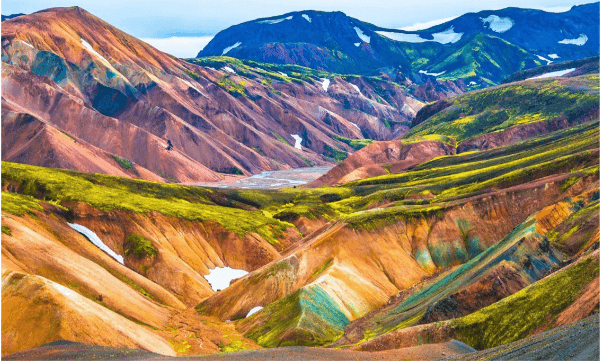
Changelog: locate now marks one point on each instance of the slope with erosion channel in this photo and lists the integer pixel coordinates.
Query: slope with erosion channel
(349, 267)
(313, 285)
(476, 121)
(188, 122)
(546, 304)
(521, 258)
(168, 236)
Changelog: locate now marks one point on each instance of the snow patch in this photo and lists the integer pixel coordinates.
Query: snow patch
(362, 35)
(284, 74)
(427, 24)
(64, 290)
(545, 59)
(298, 140)
(356, 88)
(473, 83)
(275, 21)
(94, 239)
(407, 38)
(447, 36)
(229, 70)
(432, 74)
(498, 24)
(581, 40)
(230, 48)
(558, 73)
(357, 44)
(220, 278)
(325, 84)
(253, 311)
(26, 43)
(91, 50)
(553, 56)
(307, 17)
(444, 37)
(355, 124)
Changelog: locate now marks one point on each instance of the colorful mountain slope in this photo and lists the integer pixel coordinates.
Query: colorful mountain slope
(359, 276)
(182, 121)
(452, 239)
(478, 120)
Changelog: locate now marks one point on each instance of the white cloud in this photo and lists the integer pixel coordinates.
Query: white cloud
(427, 24)
(180, 46)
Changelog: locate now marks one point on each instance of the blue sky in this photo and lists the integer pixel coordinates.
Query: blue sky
(183, 27)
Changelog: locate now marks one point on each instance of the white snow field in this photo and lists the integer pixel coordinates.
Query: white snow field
(230, 48)
(498, 24)
(298, 141)
(581, 40)
(31, 46)
(253, 311)
(447, 36)
(362, 35)
(325, 84)
(444, 37)
(91, 50)
(558, 73)
(94, 239)
(307, 17)
(433, 74)
(545, 59)
(407, 38)
(220, 278)
(229, 70)
(275, 21)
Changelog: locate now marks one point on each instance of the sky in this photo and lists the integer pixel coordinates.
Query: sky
(184, 27)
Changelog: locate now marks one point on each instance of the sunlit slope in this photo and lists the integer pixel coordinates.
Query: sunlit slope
(556, 101)
(441, 214)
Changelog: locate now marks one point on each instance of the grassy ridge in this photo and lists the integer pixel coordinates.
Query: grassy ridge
(109, 193)
(499, 108)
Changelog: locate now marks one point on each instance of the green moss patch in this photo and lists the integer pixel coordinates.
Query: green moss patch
(139, 246)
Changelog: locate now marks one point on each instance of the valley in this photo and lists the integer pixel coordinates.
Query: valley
(422, 195)
(274, 179)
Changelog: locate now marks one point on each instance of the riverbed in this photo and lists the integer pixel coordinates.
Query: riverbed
(274, 179)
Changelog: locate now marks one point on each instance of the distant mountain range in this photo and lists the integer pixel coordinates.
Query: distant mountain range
(484, 47)
(8, 17)
(80, 94)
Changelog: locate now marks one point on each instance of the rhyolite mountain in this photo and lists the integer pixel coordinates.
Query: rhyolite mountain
(483, 47)
(474, 218)
(480, 224)
(92, 98)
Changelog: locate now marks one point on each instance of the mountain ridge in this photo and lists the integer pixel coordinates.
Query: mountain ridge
(345, 44)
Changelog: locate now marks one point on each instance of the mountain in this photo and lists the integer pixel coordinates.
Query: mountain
(548, 100)
(144, 109)
(468, 222)
(481, 224)
(484, 47)
(8, 17)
